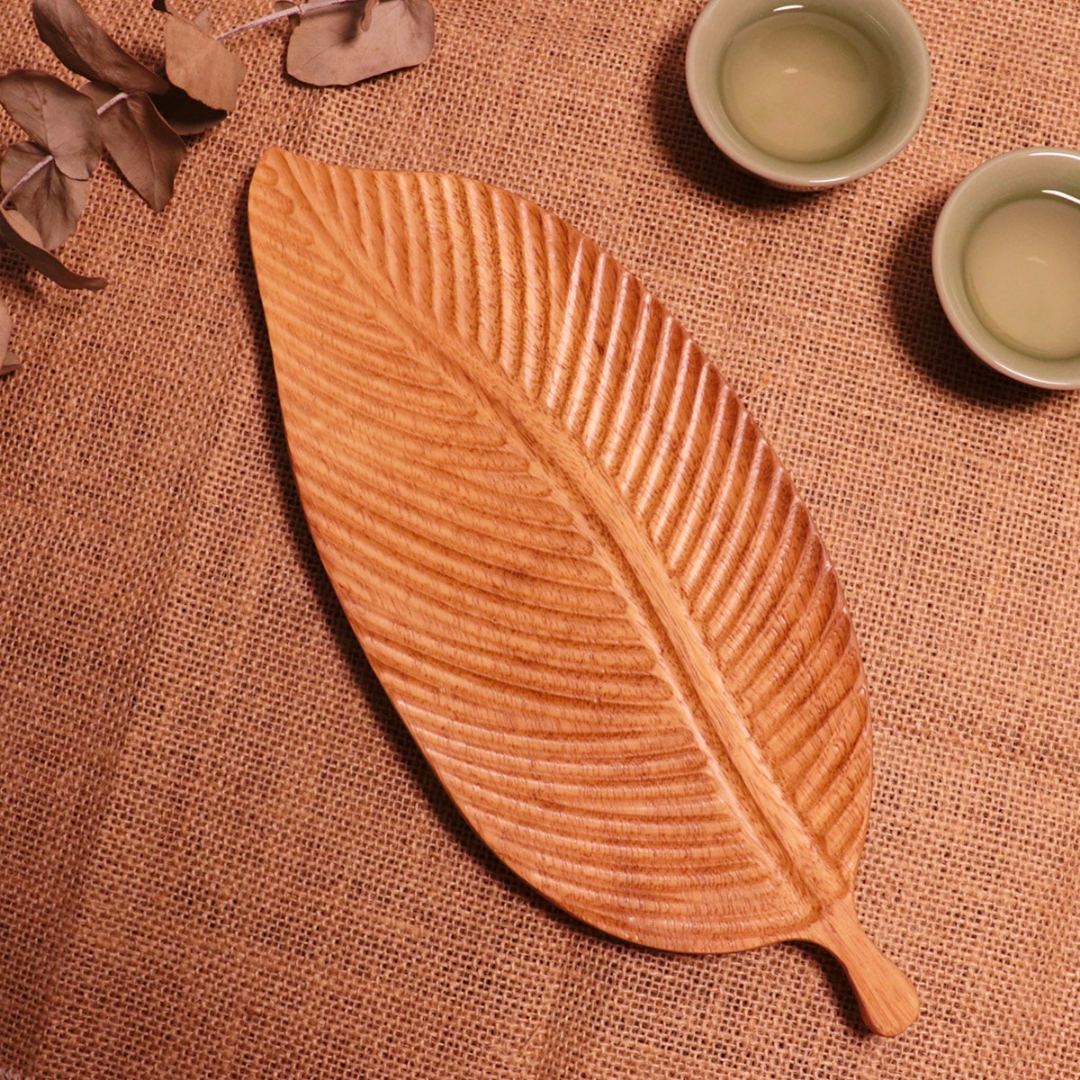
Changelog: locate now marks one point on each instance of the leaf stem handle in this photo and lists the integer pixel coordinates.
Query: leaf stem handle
(888, 1000)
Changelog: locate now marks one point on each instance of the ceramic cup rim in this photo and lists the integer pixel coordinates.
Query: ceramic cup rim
(887, 21)
(1027, 171)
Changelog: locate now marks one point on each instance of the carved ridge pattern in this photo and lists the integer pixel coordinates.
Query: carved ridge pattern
(585, 580)
(637, 457)
(654, 425)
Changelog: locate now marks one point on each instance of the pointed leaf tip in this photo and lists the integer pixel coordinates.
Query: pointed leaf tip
(146, 150)
(85, 48)
(21, 235)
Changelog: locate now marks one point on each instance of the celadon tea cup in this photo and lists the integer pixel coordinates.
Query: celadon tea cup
(808, 95)
(1006, 261)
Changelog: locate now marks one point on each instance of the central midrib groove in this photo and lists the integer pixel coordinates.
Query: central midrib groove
(740, 769)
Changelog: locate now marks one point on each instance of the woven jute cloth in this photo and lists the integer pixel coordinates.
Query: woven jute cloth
(221, 855)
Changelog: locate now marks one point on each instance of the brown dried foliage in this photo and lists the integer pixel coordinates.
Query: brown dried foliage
(137, 116)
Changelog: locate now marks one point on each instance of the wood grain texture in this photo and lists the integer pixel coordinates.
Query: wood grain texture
(575, 564)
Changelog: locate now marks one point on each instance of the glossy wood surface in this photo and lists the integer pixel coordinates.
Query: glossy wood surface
(579, 570)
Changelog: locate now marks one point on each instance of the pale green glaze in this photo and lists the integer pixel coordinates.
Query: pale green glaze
(886, 23)
(1003, 179)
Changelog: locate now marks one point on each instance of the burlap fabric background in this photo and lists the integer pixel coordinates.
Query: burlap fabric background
(221, 855)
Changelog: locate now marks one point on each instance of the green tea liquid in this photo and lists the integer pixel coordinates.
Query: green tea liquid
(1022, 273)
(804, 86)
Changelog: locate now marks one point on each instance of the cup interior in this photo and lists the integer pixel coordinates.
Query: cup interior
(886, 23)
(1011, 176)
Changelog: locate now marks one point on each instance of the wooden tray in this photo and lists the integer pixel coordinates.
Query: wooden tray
(575, 564)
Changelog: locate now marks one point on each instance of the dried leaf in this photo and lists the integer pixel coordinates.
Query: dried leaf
(55, 116)
(20, 234)
(146, 150)
(200, 65)
(184, 114)
(86, 49)
(574, 562)
(331, 47)
(9, 362)
(49, 200)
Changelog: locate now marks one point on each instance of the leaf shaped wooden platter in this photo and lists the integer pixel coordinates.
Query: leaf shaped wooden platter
(574, 563)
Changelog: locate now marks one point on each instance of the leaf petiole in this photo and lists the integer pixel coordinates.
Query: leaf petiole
(45, 162)
(284, 13)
